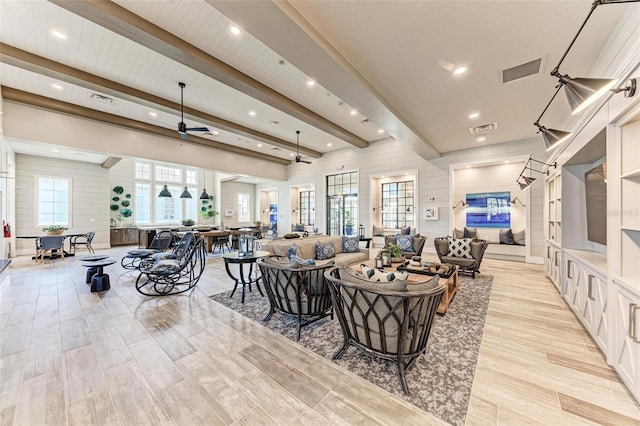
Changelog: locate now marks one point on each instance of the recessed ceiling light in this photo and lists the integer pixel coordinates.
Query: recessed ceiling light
(57, 86)
(353, 112)
(59, 35)
(329, 144)
(459, 70)
(215, 132)
(259, 145)
(235, 30)
(481, 139)
(54, 150)
(252, 113)
(311, 83)
(291, 154)
(474, 115)
(506, 162)
(153, 114)
(380, 131)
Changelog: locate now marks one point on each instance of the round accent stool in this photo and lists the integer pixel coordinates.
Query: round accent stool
(92, 271)
(100, 281)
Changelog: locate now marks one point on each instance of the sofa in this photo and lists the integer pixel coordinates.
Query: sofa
(418, 245)
(469, 264)
(307, 249)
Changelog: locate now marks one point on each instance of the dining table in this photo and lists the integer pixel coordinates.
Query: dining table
(66, 236)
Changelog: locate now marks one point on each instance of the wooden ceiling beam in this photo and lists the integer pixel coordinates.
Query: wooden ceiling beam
(15, 95)
(121, 21)
(40, 65)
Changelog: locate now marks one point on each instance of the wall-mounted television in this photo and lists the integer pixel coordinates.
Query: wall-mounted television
(595, 186)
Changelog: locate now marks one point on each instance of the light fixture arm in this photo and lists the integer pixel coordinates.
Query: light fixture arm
(461, 202)
(554, 164)
(537, 122)
(516, 199)
(555, 72)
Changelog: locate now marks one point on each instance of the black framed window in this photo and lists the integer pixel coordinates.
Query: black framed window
(397, 204)
(342, 203)
(307, 207)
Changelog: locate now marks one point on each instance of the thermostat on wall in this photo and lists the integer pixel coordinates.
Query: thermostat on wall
(228, 213)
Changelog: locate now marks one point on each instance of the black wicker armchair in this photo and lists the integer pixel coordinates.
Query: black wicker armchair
(300, 292)
(389, 320)
(469, 265)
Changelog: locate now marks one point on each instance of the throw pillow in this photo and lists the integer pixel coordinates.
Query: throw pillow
(405, 231)
(166, 266)
(518, 237)
(460, 247)
(298, 228)
(405, 242)
(350, 244)
(470, 233)
(325, 251)
(372, 274)
(163, 256)
(293, 250)
(353, 277)
(378, 231)
(298, 261)
(458, 233)
(506, 236)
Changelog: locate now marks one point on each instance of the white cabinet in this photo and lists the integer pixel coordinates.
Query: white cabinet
(626, 341)
(552, 264)
(587, 294)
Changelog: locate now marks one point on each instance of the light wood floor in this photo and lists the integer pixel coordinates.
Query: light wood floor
(69, 356)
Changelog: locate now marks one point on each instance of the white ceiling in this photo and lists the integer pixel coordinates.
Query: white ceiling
(393, 51)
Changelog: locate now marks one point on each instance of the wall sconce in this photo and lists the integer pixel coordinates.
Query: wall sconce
(460, 203)
(381, 208)
(295, 210)
(581, 92)
(513, 202)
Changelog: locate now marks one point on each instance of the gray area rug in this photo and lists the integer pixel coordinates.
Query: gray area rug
(440, 381)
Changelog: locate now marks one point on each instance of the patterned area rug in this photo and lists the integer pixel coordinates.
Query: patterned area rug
(440, 381)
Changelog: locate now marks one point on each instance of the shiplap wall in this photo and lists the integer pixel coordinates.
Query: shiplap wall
(90, 198)
(229, 201)
(433, 179)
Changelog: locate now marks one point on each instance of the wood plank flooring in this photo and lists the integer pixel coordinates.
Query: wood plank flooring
(72, 357)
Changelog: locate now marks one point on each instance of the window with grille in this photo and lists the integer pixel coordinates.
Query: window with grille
(53, 201)
(243, 208)
(307, 207)
(397, 204)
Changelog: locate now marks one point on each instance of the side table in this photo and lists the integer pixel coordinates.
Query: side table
(92, 258)
(100, 281)
(241, 261)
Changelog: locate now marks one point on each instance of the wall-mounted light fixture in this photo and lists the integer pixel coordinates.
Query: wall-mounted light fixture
(517, 200)
(581, 92)
(526, 180)
(381, 208)
(460, 203)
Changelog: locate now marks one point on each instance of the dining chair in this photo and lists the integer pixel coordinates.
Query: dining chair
(82, 240)
(48, 244)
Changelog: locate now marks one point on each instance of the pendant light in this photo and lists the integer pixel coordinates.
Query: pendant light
(204, 195)
(165, 192)
(185, 193)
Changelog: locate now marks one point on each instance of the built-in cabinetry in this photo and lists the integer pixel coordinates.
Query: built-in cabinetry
(123, 236)
(553, 228)
(626, 260)
(586, 292)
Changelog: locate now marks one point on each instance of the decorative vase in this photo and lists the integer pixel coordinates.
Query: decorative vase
(397, 259)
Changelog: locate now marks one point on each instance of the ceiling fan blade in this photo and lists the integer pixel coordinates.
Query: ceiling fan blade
(197, 129)
(305, 161)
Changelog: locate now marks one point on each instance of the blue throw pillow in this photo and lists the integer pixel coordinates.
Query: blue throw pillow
(350, 244)
(405, 231)
(302, 262)
(405, 242)
(293, 250)
(325, 251)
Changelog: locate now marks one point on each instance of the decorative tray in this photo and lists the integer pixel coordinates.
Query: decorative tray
(406, 267)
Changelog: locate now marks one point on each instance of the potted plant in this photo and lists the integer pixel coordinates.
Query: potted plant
(188, 222)
(54, 229)
(396, 253)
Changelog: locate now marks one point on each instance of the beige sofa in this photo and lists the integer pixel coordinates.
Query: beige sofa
(307, 247)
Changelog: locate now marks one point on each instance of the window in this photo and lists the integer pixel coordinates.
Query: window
(307, 207)
(191, 178)
(243, 208)
(54, 201)
(342, 203)
(397, 204)
(168, 173)
(168, 209)
(143, 170)
(143, 202)
(190, 205)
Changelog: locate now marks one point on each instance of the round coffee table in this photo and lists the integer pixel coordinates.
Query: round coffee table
(244, 279)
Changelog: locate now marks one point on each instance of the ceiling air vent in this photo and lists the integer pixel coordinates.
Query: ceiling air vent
(101, 98)
(521, 71)
(484, 129)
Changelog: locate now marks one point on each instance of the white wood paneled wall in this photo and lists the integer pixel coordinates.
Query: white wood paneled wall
(229, 201)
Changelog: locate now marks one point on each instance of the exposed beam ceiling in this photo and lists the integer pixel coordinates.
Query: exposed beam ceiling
(10, 94)
(28, 61)
(119, 20)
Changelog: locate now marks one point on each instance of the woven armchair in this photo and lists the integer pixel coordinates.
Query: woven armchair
(297, 291)
(468, 265)
(389, 320)
(418, 245)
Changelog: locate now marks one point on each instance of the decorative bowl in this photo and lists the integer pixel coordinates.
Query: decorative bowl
(397, 259)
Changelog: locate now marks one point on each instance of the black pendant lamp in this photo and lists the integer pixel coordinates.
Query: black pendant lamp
(185, 193)
(165, 193)
(204, 195)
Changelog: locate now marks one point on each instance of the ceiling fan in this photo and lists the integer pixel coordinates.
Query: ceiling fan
(182, 127)
(298, 156)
